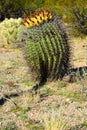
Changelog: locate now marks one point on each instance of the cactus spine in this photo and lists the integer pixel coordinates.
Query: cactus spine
(47, 47)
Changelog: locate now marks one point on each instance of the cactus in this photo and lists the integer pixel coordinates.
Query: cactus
(11, 32)
(47, 46)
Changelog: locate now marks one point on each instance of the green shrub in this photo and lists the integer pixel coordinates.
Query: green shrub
(11, 32)
(80, 23)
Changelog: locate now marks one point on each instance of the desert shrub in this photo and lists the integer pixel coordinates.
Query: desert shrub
(80, 20)
(10, 32)
(11, 9)
(18, 8)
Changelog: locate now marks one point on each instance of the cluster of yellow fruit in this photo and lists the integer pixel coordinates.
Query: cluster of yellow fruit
(37, 18)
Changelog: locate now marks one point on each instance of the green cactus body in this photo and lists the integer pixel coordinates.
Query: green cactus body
(48, 50)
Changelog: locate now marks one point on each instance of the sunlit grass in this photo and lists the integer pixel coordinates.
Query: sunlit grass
(55, 120)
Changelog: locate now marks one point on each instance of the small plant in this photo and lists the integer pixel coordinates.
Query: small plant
(56, 121)
(80, 20)
(10, 126)
(11, 32)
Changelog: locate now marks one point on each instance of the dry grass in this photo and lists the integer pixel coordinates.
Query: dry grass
(55, 120)
(30, 114)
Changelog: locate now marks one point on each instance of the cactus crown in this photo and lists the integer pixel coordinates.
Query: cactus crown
(37, 18)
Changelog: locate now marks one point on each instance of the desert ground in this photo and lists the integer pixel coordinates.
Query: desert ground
(56, 105)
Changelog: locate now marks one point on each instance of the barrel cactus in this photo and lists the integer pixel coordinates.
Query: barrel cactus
(47, 46)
